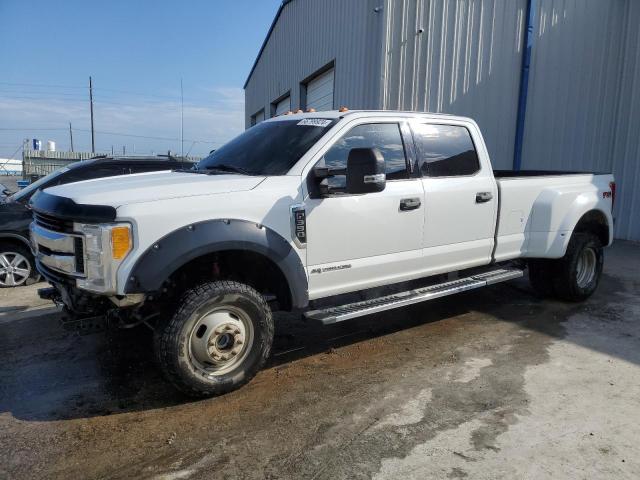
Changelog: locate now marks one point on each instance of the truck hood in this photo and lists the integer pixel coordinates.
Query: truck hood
(147, 187)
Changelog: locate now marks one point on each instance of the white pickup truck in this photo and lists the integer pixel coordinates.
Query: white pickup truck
(297, 211)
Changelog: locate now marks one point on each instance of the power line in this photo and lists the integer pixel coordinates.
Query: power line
(129, 92)
(143, 136)
(29, 129)
(101, 89)
(41, 99)
(33, 92)
(43, 85)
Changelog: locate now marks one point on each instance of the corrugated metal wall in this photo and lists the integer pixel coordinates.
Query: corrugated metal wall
(308, 35)
(573, 84)
(626, 147)
(466, 62)
(583, 108)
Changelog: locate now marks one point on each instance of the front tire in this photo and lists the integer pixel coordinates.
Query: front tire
(217, 340)
(578, 272)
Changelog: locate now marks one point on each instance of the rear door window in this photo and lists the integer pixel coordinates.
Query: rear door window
(445, 150)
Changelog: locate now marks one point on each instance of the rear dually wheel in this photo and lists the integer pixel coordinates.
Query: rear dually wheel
(580, 269)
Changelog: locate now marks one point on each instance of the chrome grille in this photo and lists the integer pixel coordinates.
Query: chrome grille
(52, 223)
(56, 250)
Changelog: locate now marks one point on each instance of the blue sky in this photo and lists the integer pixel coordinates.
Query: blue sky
(136, 52)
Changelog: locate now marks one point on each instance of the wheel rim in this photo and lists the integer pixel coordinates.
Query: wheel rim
(15, 269)
(586, 267)
(220, 340)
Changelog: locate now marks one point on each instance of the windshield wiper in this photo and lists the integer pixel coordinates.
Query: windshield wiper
(229, 168)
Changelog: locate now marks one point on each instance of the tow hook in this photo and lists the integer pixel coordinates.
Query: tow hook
(49, 293)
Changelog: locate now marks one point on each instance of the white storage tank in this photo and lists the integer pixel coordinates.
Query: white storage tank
(51, 145)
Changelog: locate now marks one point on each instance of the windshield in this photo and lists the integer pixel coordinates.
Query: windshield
(269, 148)
(26, 192)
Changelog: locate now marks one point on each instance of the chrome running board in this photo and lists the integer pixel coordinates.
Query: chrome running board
(402, 299)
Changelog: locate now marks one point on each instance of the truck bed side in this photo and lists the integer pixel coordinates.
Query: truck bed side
(538, 213)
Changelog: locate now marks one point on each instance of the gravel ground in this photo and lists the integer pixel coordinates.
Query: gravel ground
(489, 384)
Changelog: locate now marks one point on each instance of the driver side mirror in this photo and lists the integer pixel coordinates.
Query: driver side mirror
(365, 171)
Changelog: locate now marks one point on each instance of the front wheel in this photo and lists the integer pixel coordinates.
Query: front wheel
(16, 266)
(218, 339)
(579, 271)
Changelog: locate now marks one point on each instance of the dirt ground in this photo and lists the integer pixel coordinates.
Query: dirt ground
(489, 384)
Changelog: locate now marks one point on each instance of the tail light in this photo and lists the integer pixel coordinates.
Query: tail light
(612, 186)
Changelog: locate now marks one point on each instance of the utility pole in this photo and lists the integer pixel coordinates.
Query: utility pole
(181, 119)
(124, 150)
(93, 139)
(71, 136)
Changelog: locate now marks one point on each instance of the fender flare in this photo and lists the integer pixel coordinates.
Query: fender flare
(15, 236)
(181, 246)
(568, 206)
(583, 213)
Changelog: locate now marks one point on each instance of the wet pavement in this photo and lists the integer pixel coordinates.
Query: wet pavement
(487, 384)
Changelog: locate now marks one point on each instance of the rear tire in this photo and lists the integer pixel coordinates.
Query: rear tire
(217, 340)
(578, 272)
(541, 273)
(17, 267)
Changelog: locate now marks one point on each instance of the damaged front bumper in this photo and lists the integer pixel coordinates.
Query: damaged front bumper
(85, 313)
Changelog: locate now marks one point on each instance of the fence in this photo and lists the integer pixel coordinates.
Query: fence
(38, 163)
(43, 162)
(10, 166)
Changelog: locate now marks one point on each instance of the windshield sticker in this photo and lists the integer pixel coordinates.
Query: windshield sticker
(315, 122)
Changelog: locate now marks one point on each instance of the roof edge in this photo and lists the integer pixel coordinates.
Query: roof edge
(264, 43)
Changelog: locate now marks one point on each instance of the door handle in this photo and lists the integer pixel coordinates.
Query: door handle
(407, 204)
(483, 197)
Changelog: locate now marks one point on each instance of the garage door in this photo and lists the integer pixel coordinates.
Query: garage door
(283, 106)
(257, 118)
(320, 92)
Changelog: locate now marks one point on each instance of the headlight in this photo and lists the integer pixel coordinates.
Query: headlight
(105, 247)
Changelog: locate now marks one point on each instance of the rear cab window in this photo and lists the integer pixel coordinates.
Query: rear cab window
(445, 150)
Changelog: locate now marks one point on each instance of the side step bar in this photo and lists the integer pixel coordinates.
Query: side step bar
(402, 299)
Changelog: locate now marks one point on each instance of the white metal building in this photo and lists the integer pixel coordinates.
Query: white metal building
(554, 84)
